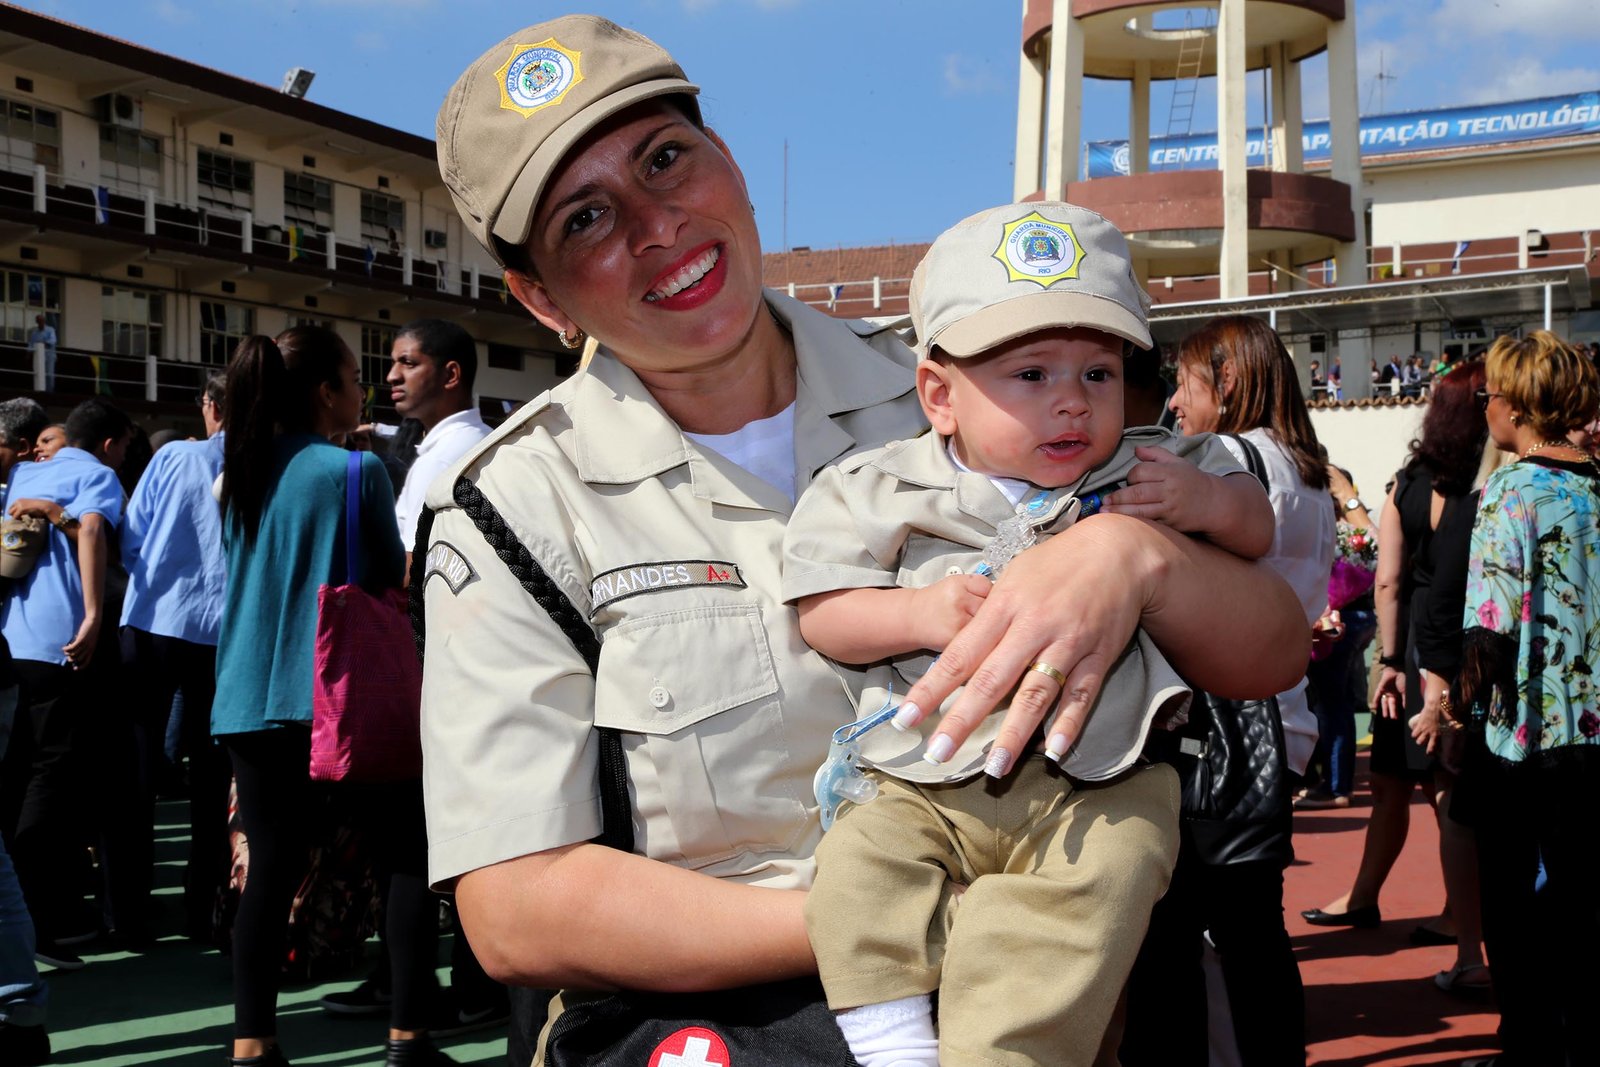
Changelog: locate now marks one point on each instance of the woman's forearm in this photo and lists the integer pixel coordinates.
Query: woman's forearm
(588, 917)
(1231, 627)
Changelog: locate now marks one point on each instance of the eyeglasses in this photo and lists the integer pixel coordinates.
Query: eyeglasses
(1484, 396)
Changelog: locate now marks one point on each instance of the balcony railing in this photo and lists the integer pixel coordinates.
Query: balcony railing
(231, 235)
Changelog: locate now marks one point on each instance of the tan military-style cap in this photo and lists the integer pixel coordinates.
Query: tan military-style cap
(524, 103)
(1014, 270)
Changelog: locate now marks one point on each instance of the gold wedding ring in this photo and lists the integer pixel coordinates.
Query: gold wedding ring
(1048, 671)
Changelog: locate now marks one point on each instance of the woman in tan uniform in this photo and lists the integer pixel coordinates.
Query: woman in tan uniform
(652, 489)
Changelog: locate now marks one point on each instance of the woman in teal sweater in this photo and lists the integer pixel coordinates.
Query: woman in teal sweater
(283, 493)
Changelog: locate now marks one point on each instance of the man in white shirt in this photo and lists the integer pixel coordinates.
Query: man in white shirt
(45, 334)
(434, 363)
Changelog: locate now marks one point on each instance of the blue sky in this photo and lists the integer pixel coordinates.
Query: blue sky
(899, 114)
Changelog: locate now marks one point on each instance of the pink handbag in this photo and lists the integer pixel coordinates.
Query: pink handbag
(366, 706)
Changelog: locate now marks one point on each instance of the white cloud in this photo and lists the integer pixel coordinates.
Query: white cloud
(1520, 79)
(169, 11)
(963, 78)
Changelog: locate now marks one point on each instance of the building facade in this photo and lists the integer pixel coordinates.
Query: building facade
(156, 212)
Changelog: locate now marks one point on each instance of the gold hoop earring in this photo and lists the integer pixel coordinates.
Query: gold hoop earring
(573, 342)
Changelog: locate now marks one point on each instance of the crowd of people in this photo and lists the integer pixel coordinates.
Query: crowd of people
(760, 600)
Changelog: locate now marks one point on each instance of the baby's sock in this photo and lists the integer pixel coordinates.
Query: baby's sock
(896, 1033)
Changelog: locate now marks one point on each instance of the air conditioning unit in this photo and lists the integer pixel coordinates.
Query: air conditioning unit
(119, 109)
(434, 239)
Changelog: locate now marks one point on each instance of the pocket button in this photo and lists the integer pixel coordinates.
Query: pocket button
(659, 697)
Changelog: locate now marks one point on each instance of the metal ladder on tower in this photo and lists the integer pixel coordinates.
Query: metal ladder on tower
(1186, 78)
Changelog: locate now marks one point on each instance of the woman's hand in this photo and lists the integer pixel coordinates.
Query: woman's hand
(1390, 697)
(1325, 633)
(1072, 603)
(1425, 728)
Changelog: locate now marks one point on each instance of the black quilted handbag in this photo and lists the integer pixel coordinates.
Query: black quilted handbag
(1236, 805)
(1230, 759)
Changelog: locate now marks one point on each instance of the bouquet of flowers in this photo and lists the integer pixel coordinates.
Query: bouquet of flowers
(1355, 564)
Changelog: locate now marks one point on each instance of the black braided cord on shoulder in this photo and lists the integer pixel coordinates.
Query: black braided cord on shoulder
(616, 818)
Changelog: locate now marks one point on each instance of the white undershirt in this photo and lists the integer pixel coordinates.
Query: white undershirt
(1013, 489)
(765, 448)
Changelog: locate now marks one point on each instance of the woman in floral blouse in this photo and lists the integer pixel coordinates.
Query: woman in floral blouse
(1531, 783)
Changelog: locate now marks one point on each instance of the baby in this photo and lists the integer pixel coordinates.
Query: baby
(1023, 314)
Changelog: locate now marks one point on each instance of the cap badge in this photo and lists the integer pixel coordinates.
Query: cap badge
(1034, 249)
(537, 76)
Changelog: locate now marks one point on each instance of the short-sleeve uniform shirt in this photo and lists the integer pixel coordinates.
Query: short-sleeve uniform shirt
(905, 516)
(45, 609)
(672, 552)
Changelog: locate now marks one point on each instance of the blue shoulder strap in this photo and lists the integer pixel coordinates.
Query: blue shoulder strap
(352, 515)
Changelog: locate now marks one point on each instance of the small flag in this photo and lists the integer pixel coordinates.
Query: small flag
(1455, 259)
(101, 386)
(294, 243)
(102, 205)
(369, 254)
(833, 295)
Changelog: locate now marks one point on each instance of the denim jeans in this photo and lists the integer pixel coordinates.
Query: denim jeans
(22, 994)
(1336, 690)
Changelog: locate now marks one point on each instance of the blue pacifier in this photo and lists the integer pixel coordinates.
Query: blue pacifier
(840, 778)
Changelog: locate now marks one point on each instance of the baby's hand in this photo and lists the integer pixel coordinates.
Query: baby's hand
(1168, 489)
(940, 610)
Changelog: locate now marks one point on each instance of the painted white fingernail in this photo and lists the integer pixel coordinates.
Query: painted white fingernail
(939, 749)
(1057, 746)
(907, 717)
(998, 763)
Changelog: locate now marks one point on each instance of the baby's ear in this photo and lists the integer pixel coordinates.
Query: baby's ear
(933, 390)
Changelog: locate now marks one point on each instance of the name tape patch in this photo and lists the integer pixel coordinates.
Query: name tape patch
(451, 565)
(622, 582)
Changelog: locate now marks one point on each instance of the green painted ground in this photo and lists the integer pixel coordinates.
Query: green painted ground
(173, 1004)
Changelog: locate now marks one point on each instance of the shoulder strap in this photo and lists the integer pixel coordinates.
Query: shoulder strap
(352, 515)
(1252, 459)
(616, 818)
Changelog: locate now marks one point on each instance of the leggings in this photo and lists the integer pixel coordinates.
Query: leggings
(278, 805)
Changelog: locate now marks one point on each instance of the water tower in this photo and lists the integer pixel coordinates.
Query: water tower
(1229, 221)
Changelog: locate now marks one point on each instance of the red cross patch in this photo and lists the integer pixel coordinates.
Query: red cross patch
(694, 1046)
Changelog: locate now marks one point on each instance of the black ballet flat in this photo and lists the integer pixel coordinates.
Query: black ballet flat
(1360, 918)
(273, 1057)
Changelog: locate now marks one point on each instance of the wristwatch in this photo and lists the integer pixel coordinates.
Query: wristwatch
(65, 521)
(1353, 503)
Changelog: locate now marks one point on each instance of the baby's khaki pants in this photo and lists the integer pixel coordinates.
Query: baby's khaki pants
(1030, 960)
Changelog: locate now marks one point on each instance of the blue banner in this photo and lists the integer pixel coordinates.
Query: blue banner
(1381, 135)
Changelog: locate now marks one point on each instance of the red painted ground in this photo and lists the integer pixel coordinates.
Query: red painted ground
(1370, 999)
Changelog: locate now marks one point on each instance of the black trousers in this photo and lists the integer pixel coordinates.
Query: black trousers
(41, 793)
(1543, 946)
(1241, 905)
(156, 668)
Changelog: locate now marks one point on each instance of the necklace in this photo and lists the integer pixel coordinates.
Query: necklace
(1542, 445)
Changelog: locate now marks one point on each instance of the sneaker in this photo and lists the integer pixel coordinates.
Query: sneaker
(23, 1046)
(455, 1018)
(368, 998)
(57, 955)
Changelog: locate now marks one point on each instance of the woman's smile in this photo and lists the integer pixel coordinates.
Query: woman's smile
(693, 280)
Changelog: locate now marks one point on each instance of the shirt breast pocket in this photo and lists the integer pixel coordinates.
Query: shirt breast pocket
(925, 560)
(697, 699)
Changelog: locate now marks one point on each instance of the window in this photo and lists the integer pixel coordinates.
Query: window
(29, 136)
(226, 182)
(377, 344)
(130, 321)
(504, 357)
(308, 202)
(130, 161)
(222, 327)
(383, 220)
(25, 296)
